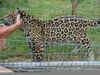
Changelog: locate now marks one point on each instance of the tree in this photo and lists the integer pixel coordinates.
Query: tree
(75, 3)
(1, 1)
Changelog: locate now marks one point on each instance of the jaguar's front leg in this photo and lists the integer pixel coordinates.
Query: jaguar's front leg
(39, 50)
(36, 51)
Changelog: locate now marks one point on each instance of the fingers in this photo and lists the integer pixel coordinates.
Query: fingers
(18, 17)
(18, 20)
(2, 25)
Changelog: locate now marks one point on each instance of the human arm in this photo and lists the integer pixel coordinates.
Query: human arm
(7, 30)
(2, 43)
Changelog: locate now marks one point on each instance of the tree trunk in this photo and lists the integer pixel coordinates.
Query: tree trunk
(74, 5)
(73, 8)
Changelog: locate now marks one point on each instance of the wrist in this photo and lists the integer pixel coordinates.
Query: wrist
(17, 25)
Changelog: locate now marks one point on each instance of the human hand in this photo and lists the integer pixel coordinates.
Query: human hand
(2, 26)
(18, 20)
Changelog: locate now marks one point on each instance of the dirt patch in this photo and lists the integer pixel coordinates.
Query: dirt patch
(95, 0)
(49, 57)
(16, 59)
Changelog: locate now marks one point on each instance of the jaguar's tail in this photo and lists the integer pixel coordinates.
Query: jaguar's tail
(93, 23)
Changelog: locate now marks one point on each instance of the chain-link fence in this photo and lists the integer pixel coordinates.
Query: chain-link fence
(39, 33)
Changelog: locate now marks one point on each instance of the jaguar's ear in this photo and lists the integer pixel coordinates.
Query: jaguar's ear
(20, 12)
(18, 8)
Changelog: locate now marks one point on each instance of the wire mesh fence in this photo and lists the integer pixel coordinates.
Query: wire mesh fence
(49, 26)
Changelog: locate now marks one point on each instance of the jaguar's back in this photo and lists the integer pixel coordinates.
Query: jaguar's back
(64, 29)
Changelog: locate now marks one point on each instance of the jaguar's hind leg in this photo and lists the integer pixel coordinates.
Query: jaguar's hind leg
(86, 42)
(77, 47)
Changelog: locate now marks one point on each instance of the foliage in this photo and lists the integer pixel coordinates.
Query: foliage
(1, 1)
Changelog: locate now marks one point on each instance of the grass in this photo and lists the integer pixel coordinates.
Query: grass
(17, 45)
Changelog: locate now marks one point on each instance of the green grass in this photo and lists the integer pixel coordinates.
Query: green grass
(17, 45)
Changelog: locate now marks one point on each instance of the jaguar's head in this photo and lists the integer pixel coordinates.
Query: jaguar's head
(10, 17)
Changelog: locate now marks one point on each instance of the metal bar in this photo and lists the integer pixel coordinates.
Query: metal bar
(22, 70)
(76, 69)
(47, 64)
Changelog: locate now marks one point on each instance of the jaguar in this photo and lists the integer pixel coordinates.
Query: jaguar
(56, 31)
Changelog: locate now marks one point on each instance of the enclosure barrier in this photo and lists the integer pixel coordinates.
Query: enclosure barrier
(47, 64)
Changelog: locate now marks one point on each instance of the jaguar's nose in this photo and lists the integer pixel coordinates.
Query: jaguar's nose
(1, 18)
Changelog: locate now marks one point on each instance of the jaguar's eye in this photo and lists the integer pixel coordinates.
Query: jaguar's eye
(9, 14)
